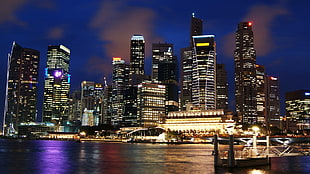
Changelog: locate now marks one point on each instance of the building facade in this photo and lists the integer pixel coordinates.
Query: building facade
(221, 87)
(273, 102)
(57, 84)
(261, 94)
(298, 109)
(204, 72)
(137, 55)
(120, 84)
(151, 104)
(21, 88)
(245, 74)
(186, 76)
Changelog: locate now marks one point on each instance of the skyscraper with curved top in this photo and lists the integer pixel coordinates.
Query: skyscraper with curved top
(245, 74)
(21, 89)
(57, 84)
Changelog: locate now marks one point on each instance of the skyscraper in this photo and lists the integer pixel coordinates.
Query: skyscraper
(261, 94)
(186, 76)
(21, 89)
(204, 75)
(221, 87)
(162, 53)
(137, 55)
(245, 74)
(92, 101)
(120, 83)
(57, 84)
(165, 72)
(273, 102)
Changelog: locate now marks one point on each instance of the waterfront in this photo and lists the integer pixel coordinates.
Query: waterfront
(34, 156)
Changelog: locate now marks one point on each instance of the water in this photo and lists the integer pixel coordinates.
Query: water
(90, 157)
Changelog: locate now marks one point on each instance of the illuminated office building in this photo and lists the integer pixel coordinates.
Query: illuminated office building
(245, 74)
(57, 84)
(162, 53)
(151, 104)
(137, 56)
(120, 83)
(261, 94)
(107, 106)
(21, 88)
(75, 106)
(91, 102)
(204, 67)
(221, 87)
(186, 76)
(165, 72)
(273, 102)
(298, 109)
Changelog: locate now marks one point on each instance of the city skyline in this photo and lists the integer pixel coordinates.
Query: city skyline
(93, 49)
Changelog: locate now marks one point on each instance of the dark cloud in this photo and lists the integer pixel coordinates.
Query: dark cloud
(8, 8)
(116, 22)
(262, 17)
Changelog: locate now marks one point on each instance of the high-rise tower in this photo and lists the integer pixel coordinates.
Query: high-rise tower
(137, 55)
(221, 87)
(120, 83)
(245, 74)
(21, 89)
(204, 72)
(57, 84)
(186, 77)
(164, 70)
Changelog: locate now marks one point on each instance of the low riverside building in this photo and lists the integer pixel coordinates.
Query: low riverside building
(199, 122)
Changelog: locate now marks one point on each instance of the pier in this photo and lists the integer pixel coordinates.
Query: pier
(232, 155)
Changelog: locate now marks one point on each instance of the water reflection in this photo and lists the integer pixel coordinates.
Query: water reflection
(89, 157)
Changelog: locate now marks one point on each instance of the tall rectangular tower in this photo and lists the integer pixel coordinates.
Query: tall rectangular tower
(261, 94)
(137, 52)
(273, 102)
(120, 83)
(186, 76)
(245, 74)
(161, 52)
(221, 87)
(204, 72)
(57, 84)
(21, 89)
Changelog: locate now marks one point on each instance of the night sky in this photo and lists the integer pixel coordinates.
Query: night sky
(95, 31)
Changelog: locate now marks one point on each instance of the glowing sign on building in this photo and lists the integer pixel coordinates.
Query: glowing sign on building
(202, 44)
(57, 73)
(307, 93)
(250, 23)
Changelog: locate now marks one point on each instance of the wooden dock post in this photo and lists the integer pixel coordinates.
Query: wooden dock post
(231, 153)
(216, 150)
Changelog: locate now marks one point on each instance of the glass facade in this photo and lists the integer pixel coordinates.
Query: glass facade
(57, 85)
(245, 74)
(21, 89)
(204, 75)
(151, 104)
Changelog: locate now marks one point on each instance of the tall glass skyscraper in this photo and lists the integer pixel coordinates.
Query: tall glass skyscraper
(165, 72)
(57, 84)
(186, 77)
(204, 72)
(137, 55)
(245, 74)
(21, 89)
(120, 83)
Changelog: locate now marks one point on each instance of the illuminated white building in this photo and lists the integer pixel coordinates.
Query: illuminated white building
(200, 122)
(204, 67)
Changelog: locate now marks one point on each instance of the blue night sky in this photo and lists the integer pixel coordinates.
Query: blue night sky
(95, 31)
